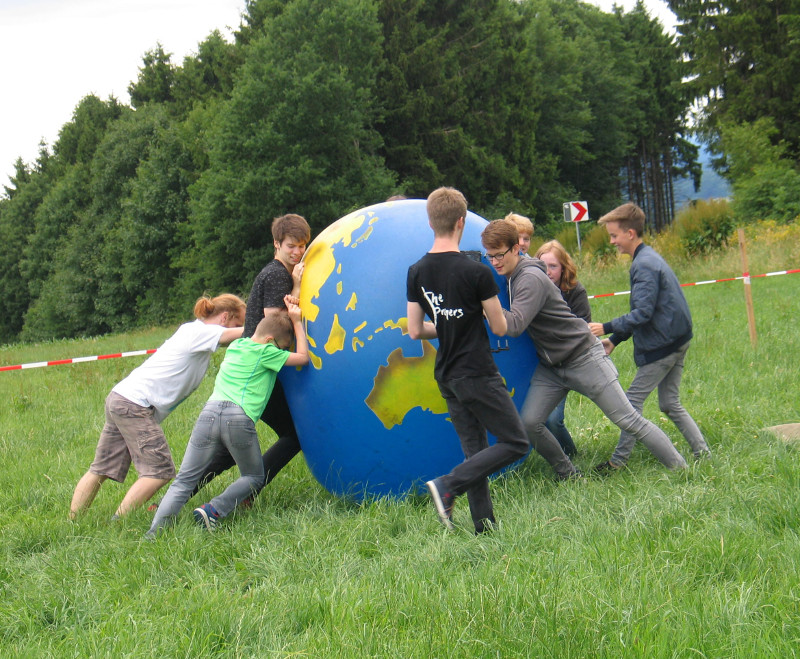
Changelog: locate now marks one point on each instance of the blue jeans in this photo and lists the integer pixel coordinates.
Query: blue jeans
(594, 375)
(555, 424)
(477, 404)
(221, 423)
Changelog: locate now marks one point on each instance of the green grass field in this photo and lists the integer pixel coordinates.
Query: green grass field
(645, 563)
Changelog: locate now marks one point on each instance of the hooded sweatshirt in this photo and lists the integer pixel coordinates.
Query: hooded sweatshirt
(537, 306)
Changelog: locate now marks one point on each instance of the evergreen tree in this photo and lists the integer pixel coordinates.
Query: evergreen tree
(295, 136)
(458, 98)
(17, 210)
(744, 56)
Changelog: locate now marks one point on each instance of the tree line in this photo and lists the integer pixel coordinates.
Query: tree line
(319, 107)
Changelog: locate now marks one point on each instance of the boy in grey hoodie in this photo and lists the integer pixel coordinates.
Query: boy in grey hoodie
(570, 357)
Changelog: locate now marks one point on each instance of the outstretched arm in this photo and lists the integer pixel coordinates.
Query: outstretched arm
(230, 335)
(494, 314)
(297, 277)
(418, 327)
(300, 356)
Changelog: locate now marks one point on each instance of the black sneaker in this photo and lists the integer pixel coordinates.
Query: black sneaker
(571, 476)
(486, 527)
(606, 468)
(206, 515)
(443, 502)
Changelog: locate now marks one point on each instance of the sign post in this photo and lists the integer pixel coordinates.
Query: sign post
(576, 211)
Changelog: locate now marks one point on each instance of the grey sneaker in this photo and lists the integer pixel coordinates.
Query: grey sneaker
(443, 502)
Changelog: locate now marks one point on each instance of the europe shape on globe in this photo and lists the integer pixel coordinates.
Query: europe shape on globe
(368, 412)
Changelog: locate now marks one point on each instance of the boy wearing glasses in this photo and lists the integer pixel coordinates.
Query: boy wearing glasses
(455, 292)
(243, 386)
(570, 356)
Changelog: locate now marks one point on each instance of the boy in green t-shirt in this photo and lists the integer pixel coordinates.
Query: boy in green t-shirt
(241, 391)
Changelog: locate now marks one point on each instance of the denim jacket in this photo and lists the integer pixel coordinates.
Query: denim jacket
(659, 320)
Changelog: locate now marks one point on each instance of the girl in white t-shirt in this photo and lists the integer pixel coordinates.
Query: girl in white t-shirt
(136, 406)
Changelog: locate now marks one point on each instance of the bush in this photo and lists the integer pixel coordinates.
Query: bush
(668, 244)
(596, 244)
(704, 226)
(771, 193)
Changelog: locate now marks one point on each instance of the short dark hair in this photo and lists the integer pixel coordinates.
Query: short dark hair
(291, 225)
(500, 233)
(628, 216)
(445, 207)
(277, 324)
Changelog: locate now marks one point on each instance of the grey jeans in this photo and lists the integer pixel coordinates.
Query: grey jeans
(221, 422)
(666, 375)
(594, 375)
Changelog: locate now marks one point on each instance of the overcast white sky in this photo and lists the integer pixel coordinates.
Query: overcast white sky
(55, 52)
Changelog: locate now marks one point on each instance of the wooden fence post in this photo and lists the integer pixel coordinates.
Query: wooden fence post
(748, 293)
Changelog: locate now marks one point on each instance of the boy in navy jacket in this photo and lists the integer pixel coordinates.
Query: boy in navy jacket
(661, 326)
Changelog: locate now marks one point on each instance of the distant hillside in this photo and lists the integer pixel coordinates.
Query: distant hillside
(712, 185)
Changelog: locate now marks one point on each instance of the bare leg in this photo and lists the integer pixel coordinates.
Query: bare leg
(140, 493)
(85, 491)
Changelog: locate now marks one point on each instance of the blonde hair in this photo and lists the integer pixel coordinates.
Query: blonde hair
(524, 225)
(569, 273)
(207, 306)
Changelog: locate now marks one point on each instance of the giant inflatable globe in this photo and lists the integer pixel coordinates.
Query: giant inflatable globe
(368, 412)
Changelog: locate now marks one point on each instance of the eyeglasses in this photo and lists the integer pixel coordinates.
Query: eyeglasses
(497, 257)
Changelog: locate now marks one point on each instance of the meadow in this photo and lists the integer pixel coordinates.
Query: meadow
(644, 563)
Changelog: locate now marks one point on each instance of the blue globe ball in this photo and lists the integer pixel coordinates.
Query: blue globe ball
(368, 412)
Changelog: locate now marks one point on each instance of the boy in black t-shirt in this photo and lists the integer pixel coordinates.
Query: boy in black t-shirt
(456, 292)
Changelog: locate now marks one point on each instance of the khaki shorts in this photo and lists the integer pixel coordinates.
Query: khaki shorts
(131, 434)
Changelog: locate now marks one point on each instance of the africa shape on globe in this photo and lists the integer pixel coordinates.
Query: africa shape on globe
(368, 412)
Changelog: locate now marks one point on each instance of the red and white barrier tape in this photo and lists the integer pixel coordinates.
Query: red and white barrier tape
(136, 353)
(747, 276)
(76, 360)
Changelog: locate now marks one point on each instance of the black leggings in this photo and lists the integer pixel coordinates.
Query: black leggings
(278, 417)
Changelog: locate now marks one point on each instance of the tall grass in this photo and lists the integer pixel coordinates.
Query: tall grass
(642, 564)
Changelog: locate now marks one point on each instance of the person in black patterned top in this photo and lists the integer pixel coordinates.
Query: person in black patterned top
(280, 277)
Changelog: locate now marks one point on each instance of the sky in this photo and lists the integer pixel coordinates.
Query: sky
(53, 53)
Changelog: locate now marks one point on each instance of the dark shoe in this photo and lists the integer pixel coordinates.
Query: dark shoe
(702, 455)
(486, 526)
(206, 515)
(606, 468)
(443, 502)
(571, 476)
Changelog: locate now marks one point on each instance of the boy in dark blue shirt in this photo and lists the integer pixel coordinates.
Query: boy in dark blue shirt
(661, 326)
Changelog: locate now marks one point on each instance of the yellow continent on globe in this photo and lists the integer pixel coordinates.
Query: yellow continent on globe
(403, 384)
